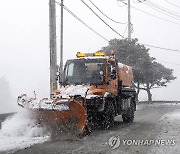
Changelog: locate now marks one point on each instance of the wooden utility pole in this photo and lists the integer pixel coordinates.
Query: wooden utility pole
(61, 43)
(53, 54)
(129, 19)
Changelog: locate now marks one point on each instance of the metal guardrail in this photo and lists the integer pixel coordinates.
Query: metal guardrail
(153, 102)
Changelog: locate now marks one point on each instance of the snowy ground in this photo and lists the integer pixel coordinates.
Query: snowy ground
(168, 128)
(19, 132)
(152, 122)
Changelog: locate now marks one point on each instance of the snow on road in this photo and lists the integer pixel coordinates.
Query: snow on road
(168, 128)
(19, 132)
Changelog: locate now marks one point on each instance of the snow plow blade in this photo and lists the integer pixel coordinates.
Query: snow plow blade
(74, 118)
(57, 114)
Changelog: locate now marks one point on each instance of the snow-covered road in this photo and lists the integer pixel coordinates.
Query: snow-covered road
(155, 130)
(168, 128)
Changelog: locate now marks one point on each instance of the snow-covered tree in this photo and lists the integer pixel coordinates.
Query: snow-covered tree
(154, 75)
(5, 95)
(148, 74)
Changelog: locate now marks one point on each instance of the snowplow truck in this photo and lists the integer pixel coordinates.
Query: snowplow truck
(94, 89)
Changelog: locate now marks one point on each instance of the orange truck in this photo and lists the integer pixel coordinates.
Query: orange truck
(95, 88)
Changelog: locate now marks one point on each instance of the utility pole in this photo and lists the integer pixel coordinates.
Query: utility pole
(53, 54)
(61, 43)
(129, 19)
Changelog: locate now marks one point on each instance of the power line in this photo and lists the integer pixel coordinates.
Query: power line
(101, 18)
(169, 63)
(160, 47)
(69, 11)
(163, 8)
(155, 16)
(161, 11)
(118, 22)
(119, 5)
(138, 1)
(173, 4)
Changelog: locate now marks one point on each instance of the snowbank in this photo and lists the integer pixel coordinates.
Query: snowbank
(19, 132)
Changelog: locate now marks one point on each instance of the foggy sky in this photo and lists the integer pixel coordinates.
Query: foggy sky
(24, 39)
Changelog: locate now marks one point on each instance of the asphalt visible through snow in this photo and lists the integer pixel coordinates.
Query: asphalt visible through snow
(144, 128)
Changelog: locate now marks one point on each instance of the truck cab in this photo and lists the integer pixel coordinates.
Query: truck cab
(108, 85)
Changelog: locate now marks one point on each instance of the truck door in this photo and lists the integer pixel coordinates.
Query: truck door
(112, 78)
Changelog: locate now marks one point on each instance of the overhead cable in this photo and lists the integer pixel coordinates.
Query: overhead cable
(161, 11)
(173, 4)
(119, 5)
(101, 18)
(156, 16)
(169, 63)
(118, 22)
(162, 48)
(162, 8)
(69, 11)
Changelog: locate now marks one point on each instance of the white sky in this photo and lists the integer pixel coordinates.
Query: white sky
(24, 39)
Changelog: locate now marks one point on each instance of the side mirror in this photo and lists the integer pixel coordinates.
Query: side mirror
(60, 78)
(101, 73)
(113, 74)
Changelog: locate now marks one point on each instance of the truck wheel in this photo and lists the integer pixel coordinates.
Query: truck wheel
(128, 117)
(108, 115)
(87, 131)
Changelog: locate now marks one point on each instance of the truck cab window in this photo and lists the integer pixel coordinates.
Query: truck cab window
(69, 70)
(85, 71)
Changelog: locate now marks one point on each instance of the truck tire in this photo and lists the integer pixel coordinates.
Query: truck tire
(128, 117)
(108, 115)
(87, 131)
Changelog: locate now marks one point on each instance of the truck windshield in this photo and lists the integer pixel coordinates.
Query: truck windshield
(84, 71)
